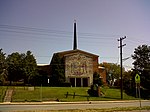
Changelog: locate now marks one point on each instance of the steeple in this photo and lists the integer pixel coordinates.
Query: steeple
(75, 37)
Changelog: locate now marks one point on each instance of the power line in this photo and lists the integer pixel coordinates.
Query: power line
(57, 36)
(60, 33)
(35, 34)
(135, 41)
(32, 29)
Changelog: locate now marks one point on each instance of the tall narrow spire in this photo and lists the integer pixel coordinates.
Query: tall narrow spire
(75, 37)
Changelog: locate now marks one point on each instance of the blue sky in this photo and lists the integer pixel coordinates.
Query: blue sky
(46, 26)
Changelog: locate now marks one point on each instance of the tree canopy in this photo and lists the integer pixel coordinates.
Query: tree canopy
(15, 65)
(112, 71)
(58, 72)
(3, 66)
(30, 67)
(19, 66)
(141, 64)
(96, 79)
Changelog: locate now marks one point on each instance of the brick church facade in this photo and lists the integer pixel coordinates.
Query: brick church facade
(79, 67)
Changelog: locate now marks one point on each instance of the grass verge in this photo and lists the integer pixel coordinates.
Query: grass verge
(22, 94)
(2, 92)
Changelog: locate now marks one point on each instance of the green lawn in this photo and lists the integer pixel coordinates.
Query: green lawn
(2, 92)
(52, 93)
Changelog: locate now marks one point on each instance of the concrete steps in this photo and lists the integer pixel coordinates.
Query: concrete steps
(8, 95)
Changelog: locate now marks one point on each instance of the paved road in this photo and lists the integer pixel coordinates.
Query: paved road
(75, 105)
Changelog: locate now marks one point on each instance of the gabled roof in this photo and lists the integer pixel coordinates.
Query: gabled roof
(65, 53)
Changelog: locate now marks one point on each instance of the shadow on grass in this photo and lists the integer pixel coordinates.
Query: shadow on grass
(74, 95)
(90, 97)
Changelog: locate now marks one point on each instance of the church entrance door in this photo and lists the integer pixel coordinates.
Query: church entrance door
(78, 82)
(72, 81)
(85, 82)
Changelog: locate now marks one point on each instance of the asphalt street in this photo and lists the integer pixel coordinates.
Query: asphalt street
(70, 105)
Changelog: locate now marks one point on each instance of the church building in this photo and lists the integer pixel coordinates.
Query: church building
(79, 65)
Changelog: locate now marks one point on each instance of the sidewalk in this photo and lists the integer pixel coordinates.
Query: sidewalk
(80, 102)
(83, 105)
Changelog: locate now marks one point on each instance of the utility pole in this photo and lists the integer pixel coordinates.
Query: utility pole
(121, 85)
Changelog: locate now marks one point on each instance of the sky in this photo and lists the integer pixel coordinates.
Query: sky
(46, 26)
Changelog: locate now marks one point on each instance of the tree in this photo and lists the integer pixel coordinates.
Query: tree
(15, 66)
(3, 67)
(22, 66)
(128, 78)
(95, 87)
(58, 70)
(141, 64)
(112, 72)
(96, 79)
(129, 83)
(30, 68)
(42, 78)
(2, 61)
